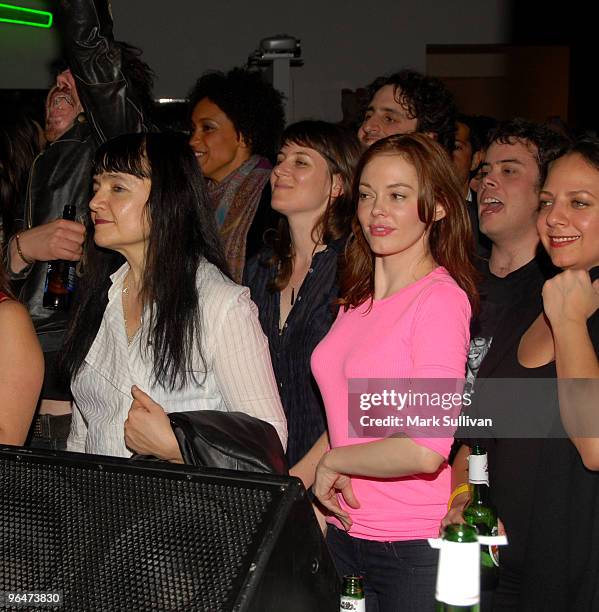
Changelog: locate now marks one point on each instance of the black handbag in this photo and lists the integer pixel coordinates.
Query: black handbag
(228, 440)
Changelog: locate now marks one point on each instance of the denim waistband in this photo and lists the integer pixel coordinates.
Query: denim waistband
(49, 426)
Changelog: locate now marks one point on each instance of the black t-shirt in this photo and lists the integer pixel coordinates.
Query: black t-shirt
(546, 498)
(497, 297)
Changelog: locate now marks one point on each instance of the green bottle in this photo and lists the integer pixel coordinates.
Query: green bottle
(352, 595)
(481, 513)
(458, 574)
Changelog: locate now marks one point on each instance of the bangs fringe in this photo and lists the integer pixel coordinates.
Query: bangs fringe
(127, 156)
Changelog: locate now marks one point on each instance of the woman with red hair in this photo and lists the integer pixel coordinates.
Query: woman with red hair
(406, 295)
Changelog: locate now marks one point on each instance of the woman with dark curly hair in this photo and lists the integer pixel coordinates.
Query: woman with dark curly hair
(237, 119)
(294, 281)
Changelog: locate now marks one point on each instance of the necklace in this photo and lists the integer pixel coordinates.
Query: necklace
(292, 300)
(283, 316)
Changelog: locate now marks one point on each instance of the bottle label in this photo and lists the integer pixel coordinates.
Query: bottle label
(458, 576)
(71, 279)
(478, 472)
(494, 549)
(351, 604)
(48, 274)
(57, 278)
(494, 554)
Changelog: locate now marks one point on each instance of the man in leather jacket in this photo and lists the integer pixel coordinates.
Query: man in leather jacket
(102, 93)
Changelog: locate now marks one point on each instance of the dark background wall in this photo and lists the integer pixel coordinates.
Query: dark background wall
(345, 42)
(571, 25)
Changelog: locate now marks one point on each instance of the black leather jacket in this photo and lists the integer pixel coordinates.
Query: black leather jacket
(61, 174)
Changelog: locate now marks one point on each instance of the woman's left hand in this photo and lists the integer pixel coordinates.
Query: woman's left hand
(148, 429)
(570, 297)
(328, 484)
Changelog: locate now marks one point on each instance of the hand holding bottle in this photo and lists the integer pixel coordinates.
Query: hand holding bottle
(59, 239)
(455, 514)
(61, 277)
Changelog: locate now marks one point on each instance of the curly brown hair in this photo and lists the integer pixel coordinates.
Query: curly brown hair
(426, 99)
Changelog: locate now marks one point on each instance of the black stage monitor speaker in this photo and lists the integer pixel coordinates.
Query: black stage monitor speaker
(110, 535)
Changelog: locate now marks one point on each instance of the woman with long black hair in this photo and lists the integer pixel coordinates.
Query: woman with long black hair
(157, 315)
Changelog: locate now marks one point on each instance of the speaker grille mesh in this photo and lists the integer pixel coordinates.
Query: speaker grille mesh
(115, 540)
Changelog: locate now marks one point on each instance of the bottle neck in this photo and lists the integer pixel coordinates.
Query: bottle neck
(352, 595)
(69, 212)
(353, 587)
(479, 493)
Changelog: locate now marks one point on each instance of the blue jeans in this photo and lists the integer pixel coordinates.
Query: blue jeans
(397, 575)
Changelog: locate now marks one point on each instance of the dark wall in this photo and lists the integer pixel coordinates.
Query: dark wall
(535, 23)
(346, 42)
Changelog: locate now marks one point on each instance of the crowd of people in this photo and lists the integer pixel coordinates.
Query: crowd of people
(250, 267)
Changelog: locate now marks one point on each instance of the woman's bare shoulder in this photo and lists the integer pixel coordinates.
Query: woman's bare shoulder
(13, 313)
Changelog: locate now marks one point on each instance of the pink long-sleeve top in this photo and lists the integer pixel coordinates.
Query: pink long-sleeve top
(420, 332)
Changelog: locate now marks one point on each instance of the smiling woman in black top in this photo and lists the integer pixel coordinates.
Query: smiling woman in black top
(294, 280)
(546, 489)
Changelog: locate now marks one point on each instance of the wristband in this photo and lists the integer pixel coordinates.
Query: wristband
(463, 488)
(29, 262)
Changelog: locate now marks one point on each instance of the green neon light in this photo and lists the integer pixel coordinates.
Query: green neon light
(25, 16)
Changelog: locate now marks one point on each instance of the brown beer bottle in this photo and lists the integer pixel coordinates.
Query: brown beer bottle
(60, 277)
